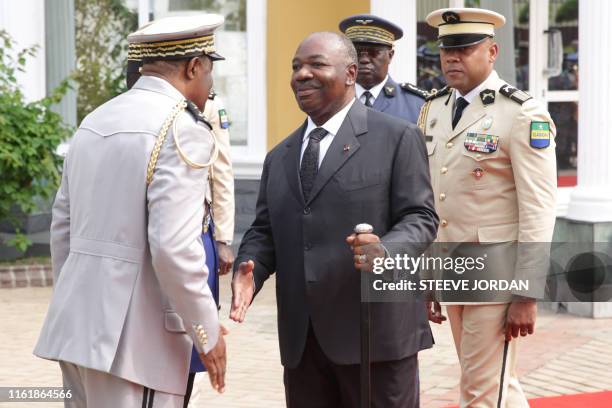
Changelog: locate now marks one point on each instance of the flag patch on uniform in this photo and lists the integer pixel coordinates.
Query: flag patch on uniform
(539, 137)
(481, 142)
(223, 121)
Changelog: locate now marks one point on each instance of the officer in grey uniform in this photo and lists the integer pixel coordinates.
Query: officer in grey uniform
(130, 294)
(373, 38)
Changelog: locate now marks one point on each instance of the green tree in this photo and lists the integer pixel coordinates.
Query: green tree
(101, 32)
(29, 135)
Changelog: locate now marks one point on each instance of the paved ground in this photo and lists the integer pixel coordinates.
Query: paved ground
(568, 355)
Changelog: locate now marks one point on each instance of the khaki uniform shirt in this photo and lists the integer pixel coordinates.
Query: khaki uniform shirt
(220, 194)
(494, 175)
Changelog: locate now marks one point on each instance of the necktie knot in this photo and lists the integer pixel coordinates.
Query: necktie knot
(460, 105)
(317, 134)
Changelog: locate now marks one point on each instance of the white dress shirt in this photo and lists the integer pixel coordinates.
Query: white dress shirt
(332, 126)
(375, 91)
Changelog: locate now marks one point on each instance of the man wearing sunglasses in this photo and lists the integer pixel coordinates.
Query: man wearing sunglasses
(373, 38)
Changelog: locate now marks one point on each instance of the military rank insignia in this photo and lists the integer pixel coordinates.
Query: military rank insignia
(481, 142)
(539, 137)
(223, 121)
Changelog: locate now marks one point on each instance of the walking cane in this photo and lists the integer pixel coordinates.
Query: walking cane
(365, 325)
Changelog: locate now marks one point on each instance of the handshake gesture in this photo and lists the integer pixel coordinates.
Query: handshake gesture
(243, 290)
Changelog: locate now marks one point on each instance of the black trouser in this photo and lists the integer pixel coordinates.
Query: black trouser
(189, 389)
(317, 382)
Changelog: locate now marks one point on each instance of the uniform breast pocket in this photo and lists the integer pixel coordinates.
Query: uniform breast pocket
(481, 167)
(431, 147)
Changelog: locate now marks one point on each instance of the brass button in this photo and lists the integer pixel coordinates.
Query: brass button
(442, 196)
(443, 223)
(443, 170)
(449, 145)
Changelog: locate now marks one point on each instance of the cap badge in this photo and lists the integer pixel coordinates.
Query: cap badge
(364, 22)
(450, 17)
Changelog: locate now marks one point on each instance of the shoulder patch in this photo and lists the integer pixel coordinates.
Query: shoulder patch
(516, 95)
(415, 90)
(436, 93)
(539, 135)
(223, 120)
(197, 115)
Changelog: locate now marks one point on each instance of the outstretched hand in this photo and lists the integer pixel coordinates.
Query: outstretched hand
(243, 290)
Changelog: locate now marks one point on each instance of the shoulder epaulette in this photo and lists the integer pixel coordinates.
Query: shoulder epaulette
(436, 93)
(197, 114)
(516, 95)
(415, 90)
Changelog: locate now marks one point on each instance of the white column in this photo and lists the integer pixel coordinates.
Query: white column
(24, 20)
(402, 13)
(248, 160)
(591, 200)
(143, 12)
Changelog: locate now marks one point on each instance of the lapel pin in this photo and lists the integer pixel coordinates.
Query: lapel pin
(346, 148)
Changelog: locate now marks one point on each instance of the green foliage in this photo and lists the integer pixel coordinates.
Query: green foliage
(524, 14)
(101, 30)
(567, 12)
(29, 134)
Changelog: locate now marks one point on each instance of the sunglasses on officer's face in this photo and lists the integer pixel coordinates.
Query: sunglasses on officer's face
(373, 51)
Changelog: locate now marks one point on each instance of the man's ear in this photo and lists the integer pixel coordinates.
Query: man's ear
(351, 74)
(192, 67)
(391, 54)
(493, 51)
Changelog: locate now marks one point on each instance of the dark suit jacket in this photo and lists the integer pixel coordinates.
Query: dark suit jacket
(382, 179)
(399, 102)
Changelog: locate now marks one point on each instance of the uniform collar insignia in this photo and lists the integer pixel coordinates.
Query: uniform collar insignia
(487, 96)
(389, 90)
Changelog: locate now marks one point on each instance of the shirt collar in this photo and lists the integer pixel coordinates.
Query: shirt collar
(375, 90)
(332, 125)
(472, 94)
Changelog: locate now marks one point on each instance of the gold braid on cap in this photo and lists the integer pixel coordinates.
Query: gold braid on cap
(356, 33)
(170, 49)
(162, 137)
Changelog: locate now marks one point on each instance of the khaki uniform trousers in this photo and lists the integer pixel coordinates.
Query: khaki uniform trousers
(479, 340)
(97, 389)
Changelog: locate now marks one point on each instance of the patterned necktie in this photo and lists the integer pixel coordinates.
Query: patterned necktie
(368, 99)
(460, 105)
(310, 161)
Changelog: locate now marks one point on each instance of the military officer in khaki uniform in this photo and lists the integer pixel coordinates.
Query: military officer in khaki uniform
(492, 160)
(221, 192)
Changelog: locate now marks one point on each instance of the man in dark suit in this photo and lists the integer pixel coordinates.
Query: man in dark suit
(373, 38)
(346, 164)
